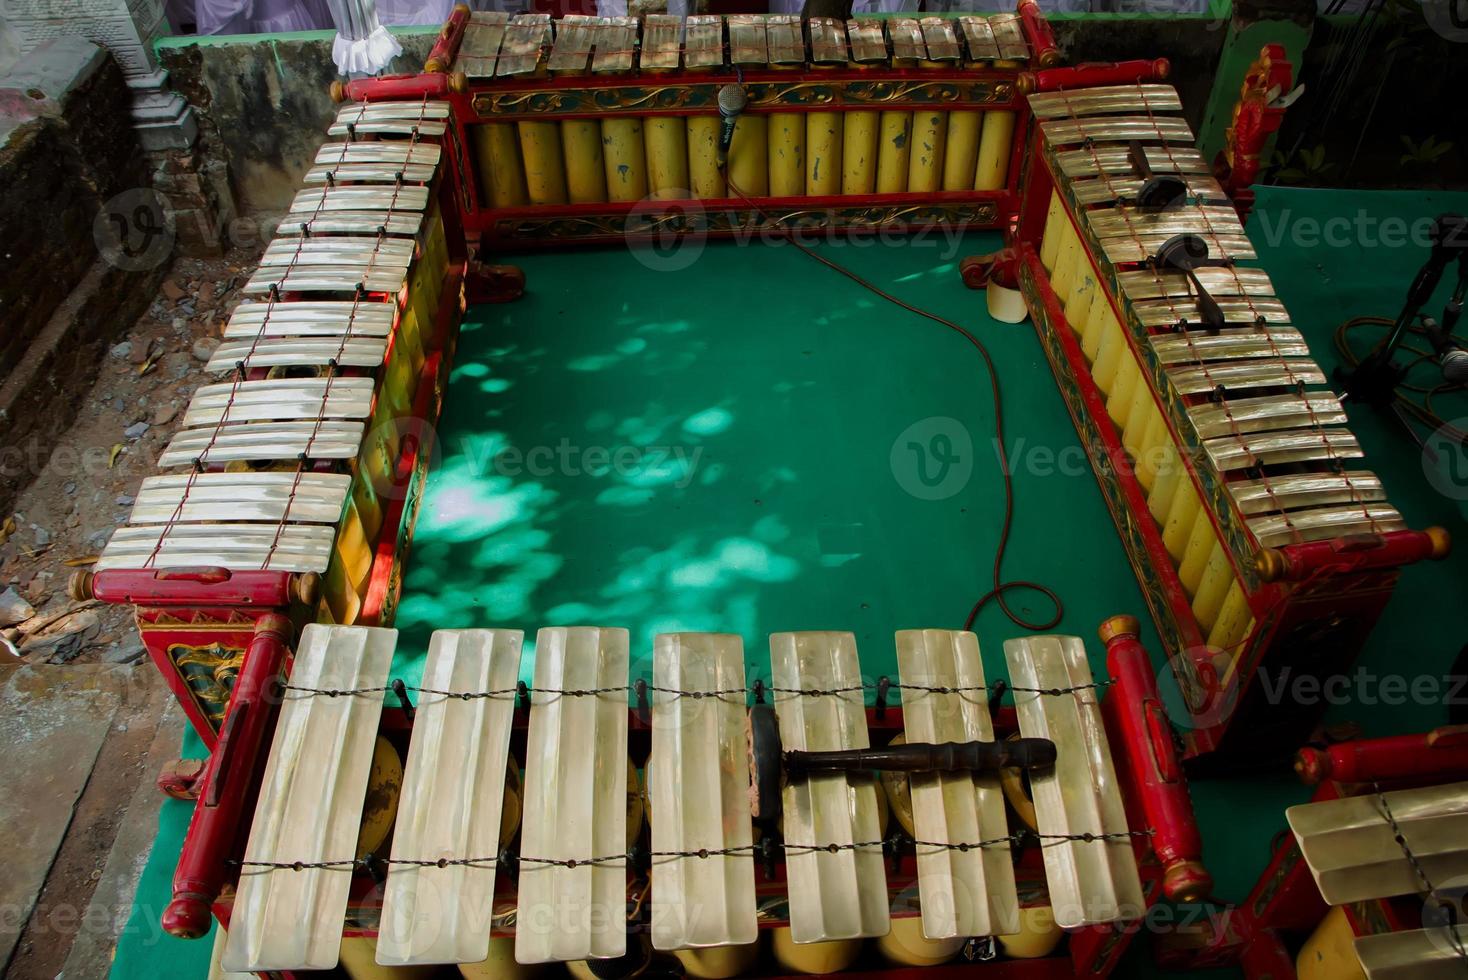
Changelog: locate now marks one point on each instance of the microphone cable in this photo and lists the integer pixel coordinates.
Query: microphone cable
(1001, 587)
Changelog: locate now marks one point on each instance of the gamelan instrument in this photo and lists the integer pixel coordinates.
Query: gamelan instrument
(714, 777)
(1260, 539)
(585, 128)
(265, 562)
(1369, 878)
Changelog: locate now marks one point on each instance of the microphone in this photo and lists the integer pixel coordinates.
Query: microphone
(1455, 366)
(732, 101)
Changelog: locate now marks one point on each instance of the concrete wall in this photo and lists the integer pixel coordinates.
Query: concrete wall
(263, 104)
(67, 147)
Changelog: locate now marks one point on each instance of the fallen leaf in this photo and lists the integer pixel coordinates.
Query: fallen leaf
(150, 363)
(83, 560)
(112, 456)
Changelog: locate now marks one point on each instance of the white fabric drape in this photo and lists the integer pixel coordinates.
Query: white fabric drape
(399, 13)
(362, 45)
(260, 16)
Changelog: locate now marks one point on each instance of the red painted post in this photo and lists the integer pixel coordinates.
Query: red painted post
(227, 782)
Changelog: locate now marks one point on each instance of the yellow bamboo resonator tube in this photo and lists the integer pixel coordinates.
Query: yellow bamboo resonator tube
(666, 139)
(823, 143)
(925, 163)
(624, 159)
(586, 179)
(749, 165)
(894, 150)
(859, 152)
(961, 151)
(787, 154)
(545, 174)
(502, 176)
(995, 143)
(706, 180)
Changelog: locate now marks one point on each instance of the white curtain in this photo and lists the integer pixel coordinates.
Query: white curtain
(260, 16)
(362, 45)
(414, 12)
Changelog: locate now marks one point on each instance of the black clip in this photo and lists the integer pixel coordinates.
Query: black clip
(400, 691)
(759, 691)
(769, 853)
(884, 684)
(374, 867)
(644, 713)
(522, 696)
(509, 862)
(997, 690)
(639, 859)
(892, 847)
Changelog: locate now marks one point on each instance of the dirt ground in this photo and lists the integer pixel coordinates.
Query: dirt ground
(85, 490)
(62, 520)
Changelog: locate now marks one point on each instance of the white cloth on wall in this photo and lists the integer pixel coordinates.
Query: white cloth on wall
(367, 56)
(260, 16)
(400, 13)
(363, 45)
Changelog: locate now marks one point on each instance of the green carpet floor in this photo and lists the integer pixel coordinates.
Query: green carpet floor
(755, 444)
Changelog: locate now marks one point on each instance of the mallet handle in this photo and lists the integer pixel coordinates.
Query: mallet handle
(1021, 753)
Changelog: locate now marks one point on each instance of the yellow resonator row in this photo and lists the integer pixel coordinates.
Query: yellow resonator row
(904, 945)
(626, 159)
(374, 483)
(1201, 559)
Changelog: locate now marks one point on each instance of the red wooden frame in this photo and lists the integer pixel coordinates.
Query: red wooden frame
(1298, 584)
(1284, 906)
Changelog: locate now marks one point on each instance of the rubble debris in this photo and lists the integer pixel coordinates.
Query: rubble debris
(205, 347)
(13, 608)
